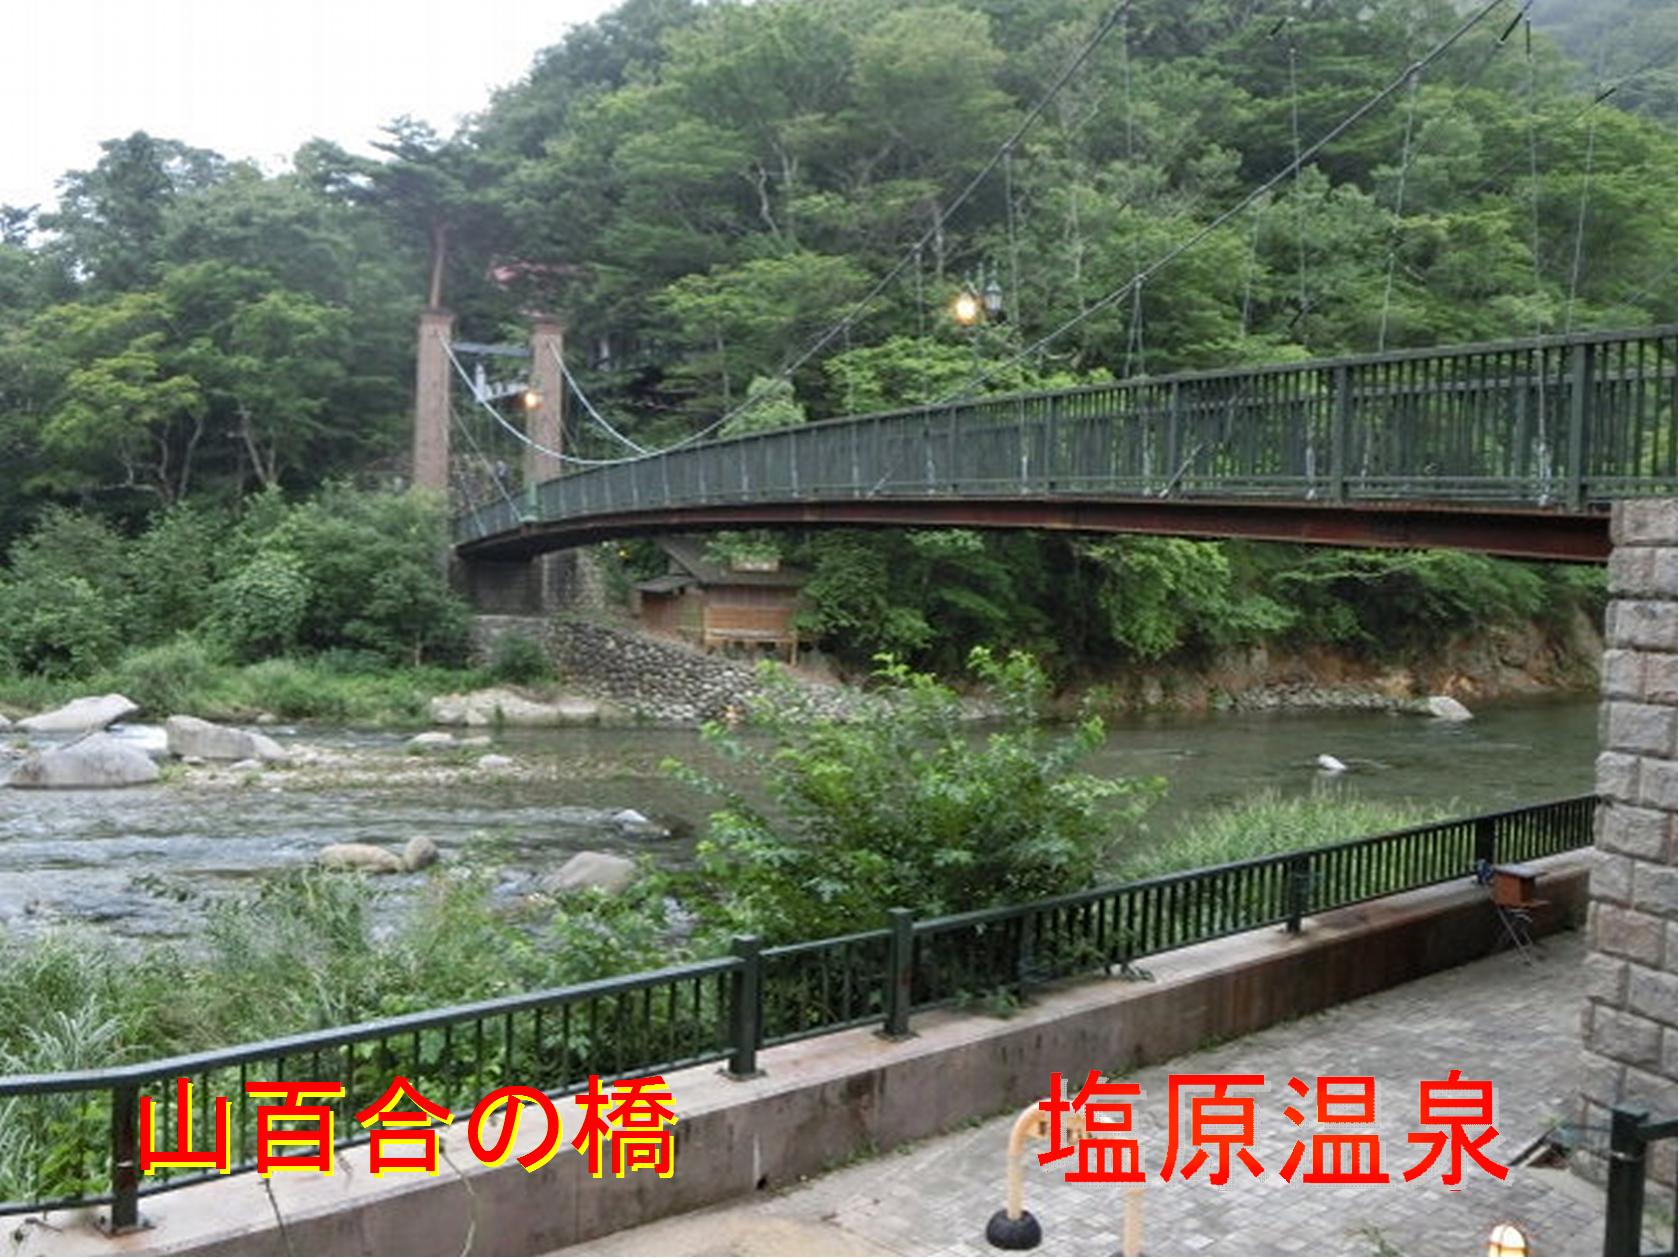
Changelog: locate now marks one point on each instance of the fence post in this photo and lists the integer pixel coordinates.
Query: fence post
(1624, 1197)
(1487, 847)
(1575, 465)
(901, 972)
(1173, 440)
(746, 1008)
(125, 1158)
(1024, 947)
(1341, 418)
(1299, 883)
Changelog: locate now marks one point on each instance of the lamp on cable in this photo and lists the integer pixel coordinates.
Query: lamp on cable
(530, 399)
(980, 299)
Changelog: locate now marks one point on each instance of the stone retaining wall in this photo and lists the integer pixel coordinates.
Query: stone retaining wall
(1628, 1023)
(665, 681)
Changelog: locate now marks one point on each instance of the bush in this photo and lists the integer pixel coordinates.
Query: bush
(259, 609)
(520, 659)
(905, 807)
(175, 677)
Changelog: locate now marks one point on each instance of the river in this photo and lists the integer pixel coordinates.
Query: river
(122, 858)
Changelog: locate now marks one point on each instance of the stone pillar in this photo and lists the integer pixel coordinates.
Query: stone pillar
(431, 401)
(1628, 1023)
(546, 424)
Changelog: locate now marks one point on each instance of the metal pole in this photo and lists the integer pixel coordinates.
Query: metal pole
(1624, 1197)
(746, 1013)
(1575, 467)
(1487, 846)
(125, 1158)
(1299, 881)
(901, 972)
(1341, 421)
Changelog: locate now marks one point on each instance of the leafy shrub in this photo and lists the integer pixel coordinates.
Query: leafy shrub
(57, 625)
(173, 677)
(520, 659)
(259, 609)
(904, 807)
(173, 568)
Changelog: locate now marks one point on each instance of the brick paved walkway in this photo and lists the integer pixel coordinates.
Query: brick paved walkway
(1495, 1019)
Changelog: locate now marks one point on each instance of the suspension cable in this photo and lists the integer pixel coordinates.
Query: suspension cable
(856, 310)
(589, 407)
(1580, 227)
(1399, 212)
(1300, 203)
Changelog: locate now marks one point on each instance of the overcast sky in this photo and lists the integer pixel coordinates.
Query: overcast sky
(248, 78)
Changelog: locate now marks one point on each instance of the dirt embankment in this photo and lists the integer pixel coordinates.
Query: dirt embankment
(1510, 661)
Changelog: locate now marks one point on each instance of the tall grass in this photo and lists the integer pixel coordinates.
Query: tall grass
(1271, 822)
(183, 676)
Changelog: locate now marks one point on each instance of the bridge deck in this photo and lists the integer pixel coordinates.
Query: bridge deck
(1514, 447)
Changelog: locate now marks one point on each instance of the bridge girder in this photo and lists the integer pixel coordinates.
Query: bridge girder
(1516, 532)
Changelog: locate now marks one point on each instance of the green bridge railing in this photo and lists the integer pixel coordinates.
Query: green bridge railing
(1565, 421)
(72, 1139)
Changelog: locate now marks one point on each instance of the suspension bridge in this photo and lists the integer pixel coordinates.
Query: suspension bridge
(1514, 448)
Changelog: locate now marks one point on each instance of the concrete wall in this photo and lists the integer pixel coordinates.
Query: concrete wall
(822, 1101)
(559, 581)
(1628, 1023)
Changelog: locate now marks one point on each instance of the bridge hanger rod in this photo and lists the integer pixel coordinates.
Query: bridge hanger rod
(1311, 151)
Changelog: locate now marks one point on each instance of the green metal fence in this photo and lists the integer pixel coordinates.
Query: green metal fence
(75, 1135)
(1554, 421)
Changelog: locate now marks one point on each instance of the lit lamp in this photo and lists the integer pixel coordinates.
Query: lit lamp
(1507, 1239)
(966, 307)
(530, 399)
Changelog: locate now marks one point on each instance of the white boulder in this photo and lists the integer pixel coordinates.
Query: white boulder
(368, 857)
(193, 736)
(493, 762)
(419, 852)
(1329, 764)
(95, 760)
(499, 705)
(432, 739)
(1447, 708)
(610, 874)
(90, 712)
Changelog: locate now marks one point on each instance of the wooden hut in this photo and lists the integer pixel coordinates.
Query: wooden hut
(714, 604)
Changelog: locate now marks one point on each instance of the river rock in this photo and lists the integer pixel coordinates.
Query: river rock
(193, 736)
(90, 712)
(1330, 764)
(96, 760)
(493, 761)
(1447, 708)
(419, 852)
(368, 857)
(5, 723)
(611, 874)
(432, 739)
(506, 707)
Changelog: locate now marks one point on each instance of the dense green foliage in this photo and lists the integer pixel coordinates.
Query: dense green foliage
(701, 189)
(350, 579)
(934, 595)
(905, 806)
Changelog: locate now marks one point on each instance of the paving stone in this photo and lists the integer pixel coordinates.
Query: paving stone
(1497, 1019)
